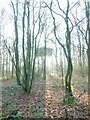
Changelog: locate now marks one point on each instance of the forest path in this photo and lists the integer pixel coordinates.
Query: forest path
(54, 99)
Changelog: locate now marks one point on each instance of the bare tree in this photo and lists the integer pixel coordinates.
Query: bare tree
(2, 11)
(87, 5)
(0, 47)
(67, 49)
(15, 12)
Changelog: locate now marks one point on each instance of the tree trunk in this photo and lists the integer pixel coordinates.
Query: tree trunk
(0, 53)
(88, 54)
(3, 63)
(12, 74)
(16, 53)
(23, 49)
(28, 48)
(7, 66)
(87, 5)
(9, 71)
(45, 59)
(69, 95)
(62, 67)
(16, 42)
(67, 53)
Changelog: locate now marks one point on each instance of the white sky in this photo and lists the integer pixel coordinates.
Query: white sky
(9, 27)
(3, 4)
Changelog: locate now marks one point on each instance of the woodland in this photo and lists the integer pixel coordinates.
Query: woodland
(45, 60)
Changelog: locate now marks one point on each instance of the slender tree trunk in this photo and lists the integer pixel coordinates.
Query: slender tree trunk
(80, 50)
(33, 74)
(28, 48)
(12, 69)
(38, 68)
(9, 65)
(33, 69)
(3, 62)
(16, 42)
(6, 65)
(23, 49)
(45, 59)
(87, 5)
(62, 67)
(0, 52)
(67, 52)
(69, 59)
(56, 53)
(17, 54)
(83, 56)
(88, 54)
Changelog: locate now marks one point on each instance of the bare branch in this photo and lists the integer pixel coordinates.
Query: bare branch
(54, 24)
(13, 7)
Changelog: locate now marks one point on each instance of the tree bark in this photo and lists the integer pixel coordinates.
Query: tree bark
(16, 52)
(69, 59)
(45, 58)
(0, 52)
(88, 54)
(16, 42)
(23, 49)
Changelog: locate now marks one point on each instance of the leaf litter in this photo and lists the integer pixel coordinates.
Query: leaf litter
(46, 101)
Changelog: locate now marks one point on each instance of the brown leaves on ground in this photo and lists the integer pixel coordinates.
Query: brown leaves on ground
(45, 101)
(6, 83)
(26, 104)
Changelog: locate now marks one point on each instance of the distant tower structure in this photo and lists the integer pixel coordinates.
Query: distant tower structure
(42, 64)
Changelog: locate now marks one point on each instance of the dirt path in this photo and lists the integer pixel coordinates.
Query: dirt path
(54, 99)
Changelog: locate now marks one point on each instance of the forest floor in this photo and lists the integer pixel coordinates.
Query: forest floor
(45, 101)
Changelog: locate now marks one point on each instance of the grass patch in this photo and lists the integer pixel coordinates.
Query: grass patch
(5, 103)
(70, 100)
(38, 112)
(0, 114)
(0, 89)
(10, 89)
